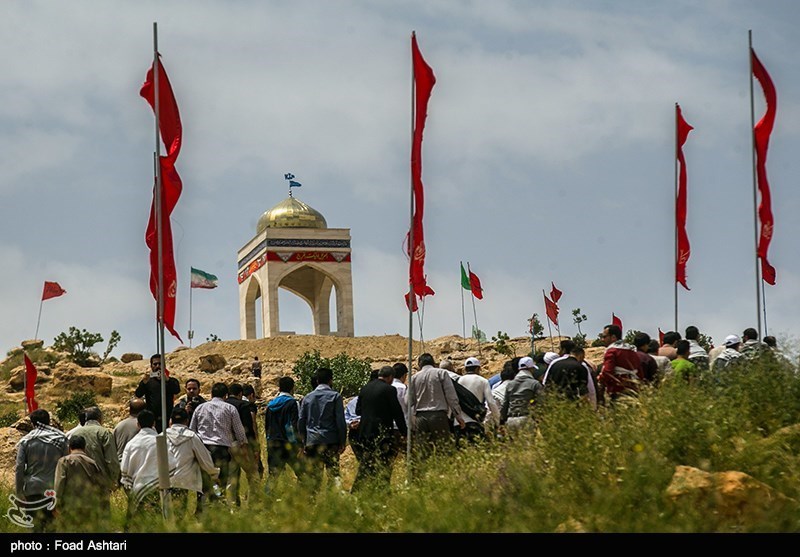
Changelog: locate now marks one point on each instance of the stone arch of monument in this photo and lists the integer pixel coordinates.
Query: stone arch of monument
(295, 250)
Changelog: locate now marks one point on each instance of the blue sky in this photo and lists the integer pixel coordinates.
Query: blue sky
(548, 156)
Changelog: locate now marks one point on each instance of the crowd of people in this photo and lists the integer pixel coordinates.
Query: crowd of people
(210, 444)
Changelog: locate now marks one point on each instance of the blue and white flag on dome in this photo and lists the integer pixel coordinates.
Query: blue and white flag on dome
(293, 184)
(288, 176)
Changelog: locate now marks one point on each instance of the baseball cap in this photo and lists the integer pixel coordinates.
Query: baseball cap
(731, 340)
(549, 357)
(472, 362)
(526, 363)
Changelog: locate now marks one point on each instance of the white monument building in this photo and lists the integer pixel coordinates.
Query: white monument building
(294, 249)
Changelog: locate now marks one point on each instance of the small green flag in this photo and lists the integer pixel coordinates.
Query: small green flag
(464, 279)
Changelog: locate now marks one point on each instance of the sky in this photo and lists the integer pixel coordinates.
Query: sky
(548, 157)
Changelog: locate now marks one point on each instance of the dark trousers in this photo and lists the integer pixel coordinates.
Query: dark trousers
(375, 464)
(473, 433)
(222, 458)
(318, 459)
(432, 434)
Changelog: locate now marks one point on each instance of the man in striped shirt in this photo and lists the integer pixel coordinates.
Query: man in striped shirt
(220, 428)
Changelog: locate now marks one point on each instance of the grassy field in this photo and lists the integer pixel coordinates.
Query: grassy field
(589, 471)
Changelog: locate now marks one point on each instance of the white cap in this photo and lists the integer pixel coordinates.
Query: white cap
(526, 363)
(732, 340)
(472, 362)
(549, 357)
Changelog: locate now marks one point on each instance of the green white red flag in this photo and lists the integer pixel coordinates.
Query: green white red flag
(201, 279)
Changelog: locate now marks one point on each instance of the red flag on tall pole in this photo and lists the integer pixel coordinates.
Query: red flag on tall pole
(555, 293)
(475, 285)
(171, 131)
(52, 290)
(682, 251)
(424, 81)
(30, 384)
(616, 321)
(761, 134)
(552, 310)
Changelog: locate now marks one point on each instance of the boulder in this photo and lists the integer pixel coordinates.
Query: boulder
(129, 357)
(70, 377)
(17, 381)
(32, 344)
(731, 494)
(211, 363)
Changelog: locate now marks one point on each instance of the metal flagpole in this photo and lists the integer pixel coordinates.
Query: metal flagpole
(755, 186)
(191, 332)
(474, 313)
(463, 319)
(161, 439)
(410, 389)
(675, 224)
(39, 319)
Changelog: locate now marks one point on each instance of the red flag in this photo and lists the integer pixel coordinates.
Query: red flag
(552, 310)
(30, 384)
(682, 132)
(424, 81)
(616, 321)
(411, 302)
(52, 290)
(761, 132)
(475, 284)
(555, 293)
(171, 133)
(660, 337)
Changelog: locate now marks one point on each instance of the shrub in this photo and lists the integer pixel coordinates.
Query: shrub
(68, 410)
(349, 373)
(8, 418)
(502, 346)
(78, 345)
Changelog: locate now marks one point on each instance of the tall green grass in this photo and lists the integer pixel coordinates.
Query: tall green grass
(603, 471)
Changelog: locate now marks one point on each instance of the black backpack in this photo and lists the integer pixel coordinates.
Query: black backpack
(469, 403)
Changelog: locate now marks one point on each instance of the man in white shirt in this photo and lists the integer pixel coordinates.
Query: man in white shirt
(478, 385)
(139, 468)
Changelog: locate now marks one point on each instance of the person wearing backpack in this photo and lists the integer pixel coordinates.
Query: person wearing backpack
(283, 439)
(478, 385)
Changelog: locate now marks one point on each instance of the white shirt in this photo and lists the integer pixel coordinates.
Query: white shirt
(139, 464)
(401, 396)
(190, 456)
(479, 386)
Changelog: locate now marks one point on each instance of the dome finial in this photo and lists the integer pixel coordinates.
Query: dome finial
(292, 184)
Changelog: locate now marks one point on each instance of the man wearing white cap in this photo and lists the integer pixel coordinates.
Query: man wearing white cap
(731, 353)
(522, 395)
(479, 386)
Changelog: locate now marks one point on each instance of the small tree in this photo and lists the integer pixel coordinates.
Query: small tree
(113, 341)
(578, 318)
(213, 338)
(502, 346)
(535, 327)
(349, 374)
(78, 345)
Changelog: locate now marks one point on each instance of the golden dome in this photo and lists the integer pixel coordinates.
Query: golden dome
(291, 213)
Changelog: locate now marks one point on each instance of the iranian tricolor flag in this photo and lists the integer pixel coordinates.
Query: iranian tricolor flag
(201, 279)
